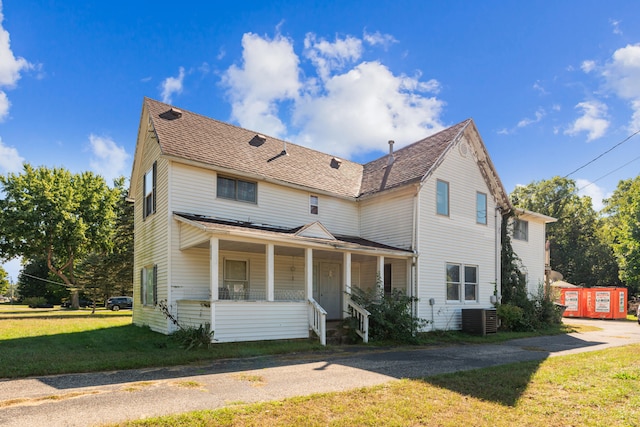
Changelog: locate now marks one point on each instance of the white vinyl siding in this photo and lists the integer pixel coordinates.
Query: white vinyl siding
(388, 218)
(150, 238)
(256, 321)
(456, 238)
(531, 253)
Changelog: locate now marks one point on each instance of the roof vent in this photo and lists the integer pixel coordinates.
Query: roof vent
(391, 158)
(336, 162)
(171, 114)
(258, 140)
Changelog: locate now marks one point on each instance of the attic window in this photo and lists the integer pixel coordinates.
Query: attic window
(171, 114)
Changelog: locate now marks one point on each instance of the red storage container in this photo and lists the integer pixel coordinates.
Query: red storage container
(595, 303)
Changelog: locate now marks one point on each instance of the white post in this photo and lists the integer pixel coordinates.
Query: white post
(308, 272)
(381, 272)
(213, 277)
(270, 272)
(346, 273)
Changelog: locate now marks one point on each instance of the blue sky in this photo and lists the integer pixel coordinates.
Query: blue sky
(551, 85)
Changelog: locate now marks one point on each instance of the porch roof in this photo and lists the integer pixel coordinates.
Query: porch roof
(286, 235)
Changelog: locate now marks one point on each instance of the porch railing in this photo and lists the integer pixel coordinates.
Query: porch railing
(362, 319)
(318, 320)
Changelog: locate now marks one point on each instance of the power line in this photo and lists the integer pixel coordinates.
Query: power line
(609, 150)
(44, 280)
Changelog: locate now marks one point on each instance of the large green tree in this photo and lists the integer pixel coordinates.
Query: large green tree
(58, 215)
(35, 280)
(108, 273)
(4, 281)
(623, 230)
(579, 249)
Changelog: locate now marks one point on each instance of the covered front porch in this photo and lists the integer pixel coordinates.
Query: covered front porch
(266, 283)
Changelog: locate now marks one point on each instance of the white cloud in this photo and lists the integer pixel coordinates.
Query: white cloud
(528, 121)
(365, 107)
(377, 38)
(171, 86)
(592, 121)
(588, 66)
(588, 188)
(10, 160)
(346, 108)
(616, 26)
(538, 86)
(10, 67)
(109, 159)
(622, 75)
(328, 57)
(269, 73)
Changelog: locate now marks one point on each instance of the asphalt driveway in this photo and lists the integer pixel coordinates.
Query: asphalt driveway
(97, 398)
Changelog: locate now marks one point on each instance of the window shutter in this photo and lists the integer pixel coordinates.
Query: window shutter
(144, 198)
(155, 169)
(142, 301)
(155, 283)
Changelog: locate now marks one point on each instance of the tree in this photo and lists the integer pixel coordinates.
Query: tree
(35, 280)
(55, 214)
(110, 273)
(579, 249)
(4, 280)
(623, 230)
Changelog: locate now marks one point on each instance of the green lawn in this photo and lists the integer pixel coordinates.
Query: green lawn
(588, 389)
(55, 341)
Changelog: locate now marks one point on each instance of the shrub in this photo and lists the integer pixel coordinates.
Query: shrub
(391, 318)
(35, 302)
(191, 337)
(511, 317)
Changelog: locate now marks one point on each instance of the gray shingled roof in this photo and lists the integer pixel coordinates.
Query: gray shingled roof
(198, 138)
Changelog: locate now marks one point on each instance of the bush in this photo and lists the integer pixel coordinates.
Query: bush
(35, 302)
(529, 314)
(191, 337)
(391, 318)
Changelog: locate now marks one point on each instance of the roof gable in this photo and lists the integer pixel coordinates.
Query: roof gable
(317, 230)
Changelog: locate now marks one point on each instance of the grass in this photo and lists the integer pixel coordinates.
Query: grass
(57, 341)
(40, 342)
(588, 389)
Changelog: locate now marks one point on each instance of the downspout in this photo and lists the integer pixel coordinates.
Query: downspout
(498, 254)
(414, 246)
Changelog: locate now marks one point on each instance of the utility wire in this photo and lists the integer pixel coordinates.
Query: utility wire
(609, 150)
(44, 280)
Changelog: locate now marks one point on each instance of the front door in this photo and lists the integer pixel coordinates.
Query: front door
(330, 289)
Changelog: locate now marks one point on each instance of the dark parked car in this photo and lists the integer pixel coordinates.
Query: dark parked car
(116, 303)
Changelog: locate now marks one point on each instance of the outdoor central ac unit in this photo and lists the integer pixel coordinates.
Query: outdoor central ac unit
(480, 321)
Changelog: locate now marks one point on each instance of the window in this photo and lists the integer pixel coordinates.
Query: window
(149, 285)
(520, 229)
(236, 189)
(442, 198)
(470, 283)
(236, 279)
(453, 282)
(481, 208)
(313, 205)
(457, 275)
(149, 191)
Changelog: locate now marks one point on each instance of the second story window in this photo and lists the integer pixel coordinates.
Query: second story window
(520, 229)
(442, 198)
(237, 189)
(313, 205)
(481, 208)
(149, 190)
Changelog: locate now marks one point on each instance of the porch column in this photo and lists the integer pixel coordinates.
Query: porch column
(308, 272)
(346, 273)
(270, 271)
(213, 277)
(381, 272)
(213, 268)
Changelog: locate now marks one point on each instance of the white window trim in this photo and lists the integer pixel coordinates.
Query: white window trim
(526, 230)
(486, 212)
(236, 199)
(312, 205)
(462, 284)
(225, 279)
(447, 198)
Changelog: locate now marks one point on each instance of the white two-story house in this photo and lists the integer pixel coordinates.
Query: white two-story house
(265, 239)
